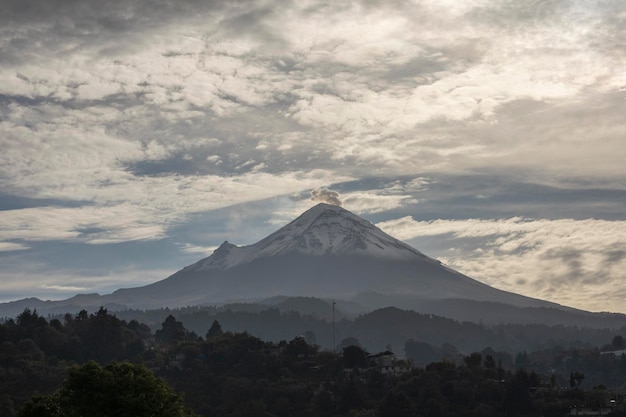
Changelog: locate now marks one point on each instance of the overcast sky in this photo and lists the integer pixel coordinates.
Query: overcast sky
(136, 136)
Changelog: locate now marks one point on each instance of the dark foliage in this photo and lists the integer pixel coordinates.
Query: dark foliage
(118, 389)
(35, 353)
(235, 373)
(380, 328)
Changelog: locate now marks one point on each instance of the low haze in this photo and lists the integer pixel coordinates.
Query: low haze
(137, 136)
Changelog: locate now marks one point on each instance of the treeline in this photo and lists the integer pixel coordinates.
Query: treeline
(35, 352)
(237, 374)
(378, 329)
(227, 372)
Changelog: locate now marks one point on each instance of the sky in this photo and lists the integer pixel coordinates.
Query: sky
(137, 136)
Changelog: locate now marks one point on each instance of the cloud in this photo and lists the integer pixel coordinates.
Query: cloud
(564, 260)
(201, 250)
(372, 202)
(152, 205)
(65, 288)
(369, 90)
(38, 280)
(10, 246)
(324, 195)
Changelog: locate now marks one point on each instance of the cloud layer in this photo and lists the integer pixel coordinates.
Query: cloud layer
(561, 260)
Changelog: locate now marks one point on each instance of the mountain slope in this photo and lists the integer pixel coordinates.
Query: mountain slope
(327, 252)
(322, 230)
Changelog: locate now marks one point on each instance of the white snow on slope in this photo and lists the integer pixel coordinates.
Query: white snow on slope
(322, 230)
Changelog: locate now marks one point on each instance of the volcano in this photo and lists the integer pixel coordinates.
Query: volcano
(330, 254)
(327, 252)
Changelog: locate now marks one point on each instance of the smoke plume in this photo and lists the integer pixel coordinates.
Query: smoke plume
(324, 195)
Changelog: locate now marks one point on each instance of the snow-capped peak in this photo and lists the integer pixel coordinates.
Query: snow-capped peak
(322, 230)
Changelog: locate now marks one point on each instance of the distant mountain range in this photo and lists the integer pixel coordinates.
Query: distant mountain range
(331, 254)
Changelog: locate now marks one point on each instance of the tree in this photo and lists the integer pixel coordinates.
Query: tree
(617, 343)
(28, 321)
(517, 391)
(119, 389)
(215, 330)
(489, 362)
(171, 332)
(299, 347)
(473, 361)
(575, 379)
(354, 357)
(349, 341)
(82, 315)
(47, 406)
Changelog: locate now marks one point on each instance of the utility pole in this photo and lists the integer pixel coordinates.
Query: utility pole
(334, 326)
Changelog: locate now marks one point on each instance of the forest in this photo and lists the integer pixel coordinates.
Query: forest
(222, 371)
(378, 329)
